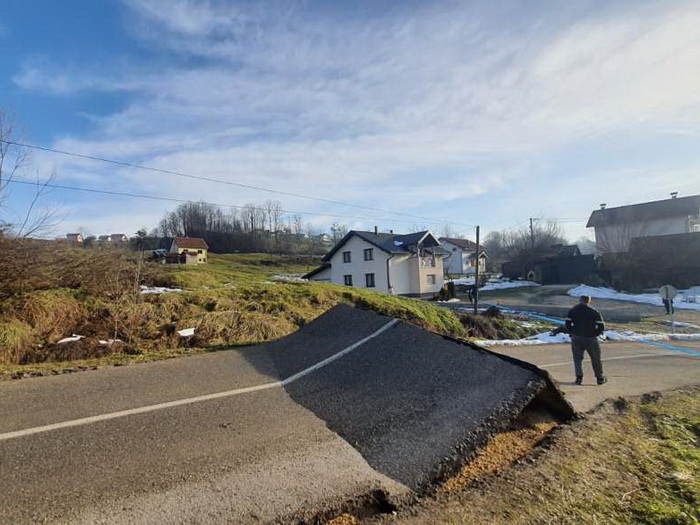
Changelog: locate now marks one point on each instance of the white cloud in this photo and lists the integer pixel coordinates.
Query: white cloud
(415, 104)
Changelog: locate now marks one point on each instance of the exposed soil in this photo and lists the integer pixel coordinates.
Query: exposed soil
(344, 519)
(503, 450)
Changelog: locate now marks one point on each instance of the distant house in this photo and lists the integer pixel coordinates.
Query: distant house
(563, 264)
(118, 238)
(75, 239)
(462, 256)
(104, 239)
(616, 227)
(323, 238)
(410, 264)
(193, 250)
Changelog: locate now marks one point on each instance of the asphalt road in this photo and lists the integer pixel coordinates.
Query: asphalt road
(631, 368)
(352, 404)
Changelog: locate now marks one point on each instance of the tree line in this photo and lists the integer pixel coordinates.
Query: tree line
(248, 229)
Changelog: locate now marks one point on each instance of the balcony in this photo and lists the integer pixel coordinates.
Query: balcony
(427, 262)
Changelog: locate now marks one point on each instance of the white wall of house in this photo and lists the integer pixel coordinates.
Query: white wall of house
(461, 262)
(400, 274)
(457, 261)
(616, 238)
(358, 267)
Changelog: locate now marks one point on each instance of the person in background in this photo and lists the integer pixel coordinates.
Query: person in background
(585, 324)
(668, 304)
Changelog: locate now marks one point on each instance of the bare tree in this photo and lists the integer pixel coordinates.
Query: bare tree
(297, 224)
(14, 157)
(338, 231)
(524, 244)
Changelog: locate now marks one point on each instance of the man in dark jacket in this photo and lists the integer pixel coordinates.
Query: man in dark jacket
(585, 324)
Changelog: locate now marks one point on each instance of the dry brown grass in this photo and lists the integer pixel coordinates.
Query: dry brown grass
(16, 341)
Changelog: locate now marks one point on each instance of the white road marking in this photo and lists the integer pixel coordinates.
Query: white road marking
(656, 354)
(190, 400)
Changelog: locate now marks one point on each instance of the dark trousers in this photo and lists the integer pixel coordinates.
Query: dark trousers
(579, 345)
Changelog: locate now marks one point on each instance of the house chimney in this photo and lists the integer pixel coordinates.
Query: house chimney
(602, 206)
(674, 194)
(376, 230)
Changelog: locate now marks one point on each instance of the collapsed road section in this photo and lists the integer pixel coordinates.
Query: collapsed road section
(413, 403)
(353, 411)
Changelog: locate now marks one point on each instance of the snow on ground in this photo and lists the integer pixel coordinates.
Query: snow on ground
(679, 302)
(683, 325)
(109, 342)
(187, 332)
(610, 335)
(494, 284)
(289, 279)
(158, 289)
(70, 339)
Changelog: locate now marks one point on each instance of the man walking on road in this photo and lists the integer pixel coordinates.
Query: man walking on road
(585, 324)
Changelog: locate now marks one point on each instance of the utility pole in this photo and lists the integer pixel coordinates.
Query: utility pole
(532, 235)
(476, 275)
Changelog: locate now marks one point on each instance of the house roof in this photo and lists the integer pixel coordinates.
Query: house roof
(565, 250)
(390, 242)
(681, 206)
(316, 271)
(464, 244)
(191, 243)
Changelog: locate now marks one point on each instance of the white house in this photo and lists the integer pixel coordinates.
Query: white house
(616, 227)
(461, 258)
(408, 264)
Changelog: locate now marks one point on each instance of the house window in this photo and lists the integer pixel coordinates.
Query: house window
(431, 278)
(346, 258)
(369, 280)
(347, 279)
(369, 254)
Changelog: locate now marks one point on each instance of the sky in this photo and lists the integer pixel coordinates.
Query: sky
(462, 112)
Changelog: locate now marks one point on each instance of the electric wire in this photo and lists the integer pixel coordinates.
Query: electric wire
(221, 181)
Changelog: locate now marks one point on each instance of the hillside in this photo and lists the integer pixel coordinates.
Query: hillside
(58, 294)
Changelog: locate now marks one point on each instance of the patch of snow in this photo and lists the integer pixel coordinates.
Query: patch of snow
(683, 325)
(109, 342)
(289, 279)
(679, 302)
(610, 335)
(493, 284)
(187, 332)
(453, 300)
(398, 243)
(70, 339)
(158, 289)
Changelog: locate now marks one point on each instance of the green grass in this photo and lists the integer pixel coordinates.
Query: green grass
(236, 269)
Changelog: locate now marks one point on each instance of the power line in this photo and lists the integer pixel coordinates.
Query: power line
(186, 201)
(221, 181)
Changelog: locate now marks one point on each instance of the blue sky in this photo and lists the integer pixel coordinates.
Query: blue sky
(460, 111)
